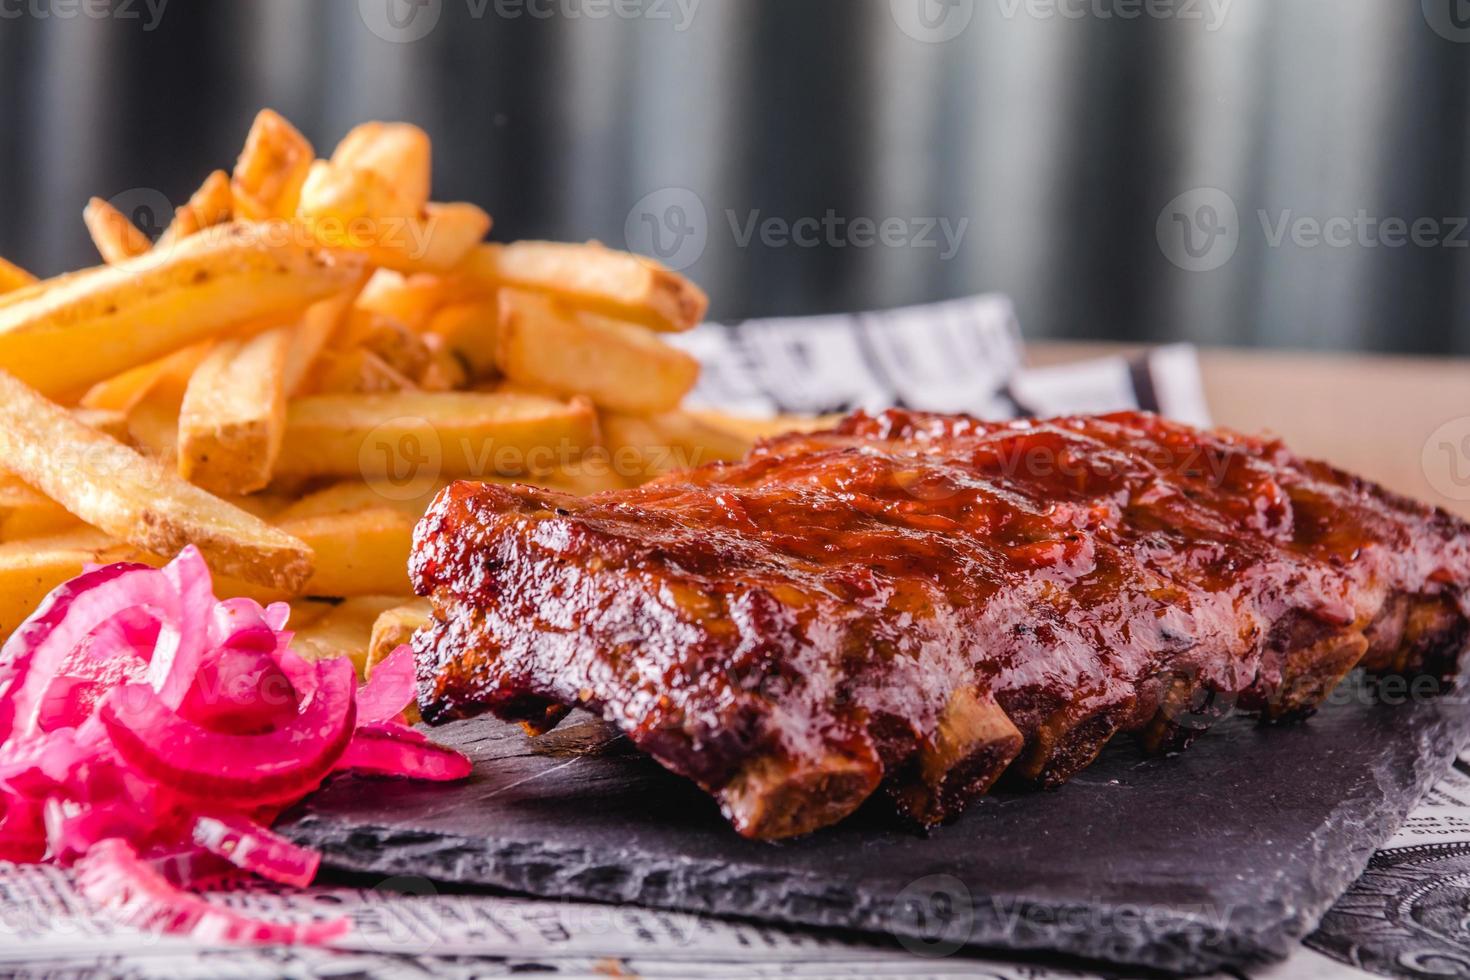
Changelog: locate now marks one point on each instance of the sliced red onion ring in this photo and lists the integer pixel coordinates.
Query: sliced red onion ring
(68, 702)
(186, 866)
(113, 876)
(243, 769)
(252, 847)
(395, 750)
(72, 830)
(174, 664)
(277, 614)
(300, 673)
(389, 690)
(22, 829)
(241, 692)
(50, 764)
(30, 658)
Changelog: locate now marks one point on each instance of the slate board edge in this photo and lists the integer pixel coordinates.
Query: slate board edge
(575, 874)
(1440, 744)
(1175, 942)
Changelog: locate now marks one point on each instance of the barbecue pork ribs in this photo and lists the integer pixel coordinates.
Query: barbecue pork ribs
(924, 602)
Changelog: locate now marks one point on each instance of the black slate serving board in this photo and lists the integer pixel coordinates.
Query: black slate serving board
(1223, 855)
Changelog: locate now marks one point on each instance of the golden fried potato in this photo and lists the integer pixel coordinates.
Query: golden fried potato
(271, 169)
(13, 277)
(616, 284)
(233, 413)
(620, 366)
(134, 498)
(645, 447)
(126, 315)
(403, 436)
(212, 204)
(397, 152)
(116, 237)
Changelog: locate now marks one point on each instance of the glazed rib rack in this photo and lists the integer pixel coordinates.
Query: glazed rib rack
(924, 603)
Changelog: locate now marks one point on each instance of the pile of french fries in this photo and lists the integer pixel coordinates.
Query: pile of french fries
(305, 356)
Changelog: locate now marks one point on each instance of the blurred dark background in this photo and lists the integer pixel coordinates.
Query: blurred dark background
(1125, 169)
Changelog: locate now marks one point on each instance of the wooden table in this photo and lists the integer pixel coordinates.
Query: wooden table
(1402, 421)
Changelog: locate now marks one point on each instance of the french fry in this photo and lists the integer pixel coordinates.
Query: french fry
(124, 391)
(361, 552)
(110, 319)
(318, 325)
(400, 348)
(212, 204)
(107, 421)
(153, 426)
(346, 207)
(351, 203)
(27, 513)
(397, 152)
(30, 291)
(616, 284)
(762, 428)
(547, 344)
(397, 438)
(352, 496)
(136, 499)
(234, 413)
(395, 627)
(13, 277)
(344, 631)
(304, 612)
(467, 330)
(436, 242)
(30, 569)
(411, 300)
(645, 447)
(153, 421)
(117, 238)
(271, 169)
(153, 415)
(445, 370)
(266, 506)
(357, 372)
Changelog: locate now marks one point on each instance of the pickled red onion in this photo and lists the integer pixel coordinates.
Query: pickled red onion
(395, 750)
(112, 875)
(30, 658)
(146, 728)
(389, 690)
(248, 770)
(249, 846)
